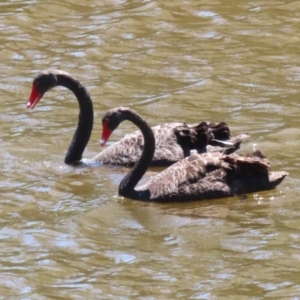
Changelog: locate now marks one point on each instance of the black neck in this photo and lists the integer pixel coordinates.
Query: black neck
(127, 185)
(85, 118)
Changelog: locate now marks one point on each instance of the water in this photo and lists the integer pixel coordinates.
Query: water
(64, 232)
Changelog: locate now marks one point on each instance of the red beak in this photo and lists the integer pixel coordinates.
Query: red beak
(34, 98)
(105, 134)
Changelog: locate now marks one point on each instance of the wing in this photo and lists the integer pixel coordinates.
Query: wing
(213, 175)
(183, 173)
(207, 137)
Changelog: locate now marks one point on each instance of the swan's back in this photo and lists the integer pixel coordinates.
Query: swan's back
(128, 150)
(213, 175)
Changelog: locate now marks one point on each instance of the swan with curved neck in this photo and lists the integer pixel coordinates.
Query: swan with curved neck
(49, 79)
(174, 141)
(197, 177)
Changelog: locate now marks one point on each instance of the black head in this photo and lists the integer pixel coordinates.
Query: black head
(42, 83)
(111, 120)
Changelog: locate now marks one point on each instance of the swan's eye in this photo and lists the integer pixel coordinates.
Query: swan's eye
(105, 121)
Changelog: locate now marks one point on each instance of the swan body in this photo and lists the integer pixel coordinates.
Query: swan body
(174, 141)
(212, 175)
(197, 177)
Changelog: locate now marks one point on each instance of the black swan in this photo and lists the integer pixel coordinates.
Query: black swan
(197, 177)
(174, 141)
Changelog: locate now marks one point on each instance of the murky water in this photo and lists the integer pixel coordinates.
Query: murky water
(64, 232)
